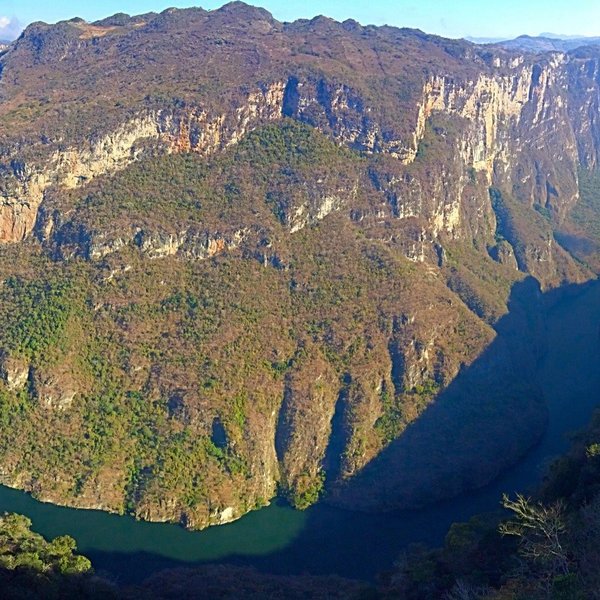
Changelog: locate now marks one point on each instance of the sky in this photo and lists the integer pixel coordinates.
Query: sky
(450, 18)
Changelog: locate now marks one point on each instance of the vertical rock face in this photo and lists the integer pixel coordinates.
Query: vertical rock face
(492, 106)
(525, 127)
(168, 131)
(583, 71)
(15, 372)
(516, 124)
(517, 127)
(304, 429)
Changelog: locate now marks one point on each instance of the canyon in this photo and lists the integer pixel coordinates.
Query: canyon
(242, 258)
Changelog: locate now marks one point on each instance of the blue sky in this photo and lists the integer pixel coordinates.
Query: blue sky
(451, 18)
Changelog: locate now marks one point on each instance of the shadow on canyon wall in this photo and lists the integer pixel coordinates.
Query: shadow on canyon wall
(484, 421)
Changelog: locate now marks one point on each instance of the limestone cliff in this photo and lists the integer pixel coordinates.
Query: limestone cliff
(515, 127)
(189, 131)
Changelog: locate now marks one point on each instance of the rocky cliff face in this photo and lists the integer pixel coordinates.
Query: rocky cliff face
(261, 268)
(166, 131)
(517, 128)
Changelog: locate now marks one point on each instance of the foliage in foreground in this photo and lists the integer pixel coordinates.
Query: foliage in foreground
(31, 567)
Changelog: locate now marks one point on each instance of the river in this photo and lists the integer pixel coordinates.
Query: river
(324, 540)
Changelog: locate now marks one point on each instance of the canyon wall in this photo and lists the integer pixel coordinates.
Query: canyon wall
(272, 267)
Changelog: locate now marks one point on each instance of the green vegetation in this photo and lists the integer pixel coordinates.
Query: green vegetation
(20, 548)
(484, 286)
(172, 185)
(391, 422)
(31, 567)
(580, 232)
(36, 314)
(307, 490)
(394, 407)
(585, 213)
(291, 145)
(263, 178)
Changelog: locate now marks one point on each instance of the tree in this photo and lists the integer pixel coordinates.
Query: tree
(541, 531)
(467, 591)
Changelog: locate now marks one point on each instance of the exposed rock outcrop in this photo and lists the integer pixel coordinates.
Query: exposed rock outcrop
(15, 372)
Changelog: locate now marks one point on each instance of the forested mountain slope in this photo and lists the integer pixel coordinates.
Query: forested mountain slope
(242, 257)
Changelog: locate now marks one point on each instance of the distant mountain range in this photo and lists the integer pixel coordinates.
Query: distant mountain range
(545, 42)
(484, 40)
(562, 36)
